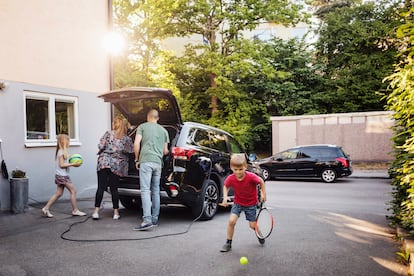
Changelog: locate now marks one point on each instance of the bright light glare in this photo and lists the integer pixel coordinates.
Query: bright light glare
(114, 43)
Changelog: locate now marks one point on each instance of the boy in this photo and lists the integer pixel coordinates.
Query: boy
(244, 185)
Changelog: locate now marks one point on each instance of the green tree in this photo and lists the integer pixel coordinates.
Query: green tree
(221, 25)
(401, 102)
(141, 63)
(206, 72)
(357, 48)
(291, 89)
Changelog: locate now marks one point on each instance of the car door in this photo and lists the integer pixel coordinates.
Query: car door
(134, 104)
(284, 163)
(306, 161)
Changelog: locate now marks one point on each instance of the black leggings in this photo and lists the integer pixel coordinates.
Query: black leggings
(107, 178)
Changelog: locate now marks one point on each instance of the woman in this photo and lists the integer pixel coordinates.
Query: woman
(114, 147)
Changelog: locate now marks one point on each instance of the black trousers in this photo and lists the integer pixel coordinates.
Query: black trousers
(107, 178)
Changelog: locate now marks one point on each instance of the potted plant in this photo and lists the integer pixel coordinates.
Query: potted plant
(19, 191)
(18, 174)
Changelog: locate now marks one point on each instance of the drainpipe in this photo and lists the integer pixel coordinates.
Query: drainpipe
(111, 65)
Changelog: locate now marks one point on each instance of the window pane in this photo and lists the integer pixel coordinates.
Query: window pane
(37, 120)
(64, 118)
(218, 142)
(234, 146)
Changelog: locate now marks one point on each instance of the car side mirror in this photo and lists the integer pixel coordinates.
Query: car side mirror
(252, 157)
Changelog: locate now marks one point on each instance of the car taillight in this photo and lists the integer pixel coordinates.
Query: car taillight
(181, 153)
(343, 161)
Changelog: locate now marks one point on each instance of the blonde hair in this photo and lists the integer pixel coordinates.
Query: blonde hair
(121, 128)
(63, 141)
(238, 160)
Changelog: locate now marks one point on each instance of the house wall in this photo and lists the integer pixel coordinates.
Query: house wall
(54, 43)
(39, 162)
(55, 48)
(365, 136)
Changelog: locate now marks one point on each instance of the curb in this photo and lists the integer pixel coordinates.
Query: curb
(375, 174)
(408, 247)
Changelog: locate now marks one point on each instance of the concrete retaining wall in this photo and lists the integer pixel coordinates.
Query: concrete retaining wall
(365, 136)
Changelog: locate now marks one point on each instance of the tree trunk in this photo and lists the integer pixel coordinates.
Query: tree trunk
(213, 85)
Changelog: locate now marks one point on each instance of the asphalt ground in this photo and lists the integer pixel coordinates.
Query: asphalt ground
(11, 223)
(305, 241)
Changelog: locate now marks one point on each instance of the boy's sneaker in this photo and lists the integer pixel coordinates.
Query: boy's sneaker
(143, 227)
(261, 241)
(95, 216)
(226, 247)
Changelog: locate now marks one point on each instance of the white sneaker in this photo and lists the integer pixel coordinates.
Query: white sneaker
(78, 213)
(95, 216)
(116, 217)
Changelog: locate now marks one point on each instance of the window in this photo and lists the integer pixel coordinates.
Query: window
(218, 141)
(264, 34)
(290, 154)
(234, 145)
(198, 137)
(48, 115)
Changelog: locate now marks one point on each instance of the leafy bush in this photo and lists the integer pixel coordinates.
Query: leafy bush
(401, 102)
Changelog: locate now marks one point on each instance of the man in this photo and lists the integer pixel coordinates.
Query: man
(151, 144)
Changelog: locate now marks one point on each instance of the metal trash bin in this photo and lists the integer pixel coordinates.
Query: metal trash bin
(19, 195)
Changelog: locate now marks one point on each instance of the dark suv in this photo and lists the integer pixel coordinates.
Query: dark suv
(325, 161)
(199, 159)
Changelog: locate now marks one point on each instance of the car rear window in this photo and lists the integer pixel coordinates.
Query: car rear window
(330, 153)
(323, 152)
(207, 138)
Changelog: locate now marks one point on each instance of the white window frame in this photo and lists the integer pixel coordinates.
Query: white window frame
(51, 99)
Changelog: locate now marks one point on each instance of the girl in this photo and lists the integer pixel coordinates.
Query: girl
(114, 147)
(62, 178)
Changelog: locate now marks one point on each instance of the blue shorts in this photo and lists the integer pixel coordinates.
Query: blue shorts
(249, 211)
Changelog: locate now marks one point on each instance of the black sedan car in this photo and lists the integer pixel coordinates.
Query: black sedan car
(327, 162)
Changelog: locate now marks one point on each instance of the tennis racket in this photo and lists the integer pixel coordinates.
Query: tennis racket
(264, 222)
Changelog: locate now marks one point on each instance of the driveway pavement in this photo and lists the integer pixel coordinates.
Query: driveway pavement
(314, 236)
(10, 223)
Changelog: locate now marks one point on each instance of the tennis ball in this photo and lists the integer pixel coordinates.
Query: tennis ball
(244, 261)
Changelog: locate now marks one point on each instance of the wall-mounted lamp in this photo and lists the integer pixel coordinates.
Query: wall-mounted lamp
(3, 85)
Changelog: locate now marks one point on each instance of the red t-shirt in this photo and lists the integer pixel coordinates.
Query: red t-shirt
(245, 190)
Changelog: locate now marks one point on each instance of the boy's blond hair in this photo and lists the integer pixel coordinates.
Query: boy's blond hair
(238, 160)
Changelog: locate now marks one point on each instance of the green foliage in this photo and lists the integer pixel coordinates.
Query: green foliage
(294, 83)
(404, 256)
(357, 47)
(401, 101)
(209, 76)
(18, 174)
(237, 84)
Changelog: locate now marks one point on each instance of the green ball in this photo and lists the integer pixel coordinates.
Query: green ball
(244, 261)
(76, 158)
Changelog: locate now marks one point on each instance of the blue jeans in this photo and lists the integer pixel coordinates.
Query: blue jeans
(149, 177)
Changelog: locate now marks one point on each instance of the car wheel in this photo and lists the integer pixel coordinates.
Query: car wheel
(207, 205)
(265, 174)
(131, 203)
(328, 175)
